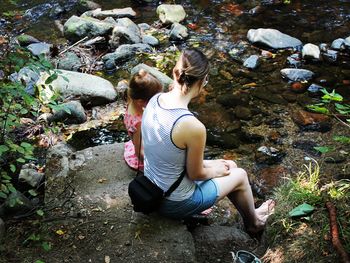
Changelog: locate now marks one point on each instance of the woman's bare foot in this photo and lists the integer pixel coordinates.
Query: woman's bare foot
(207, 211)
(262, 213)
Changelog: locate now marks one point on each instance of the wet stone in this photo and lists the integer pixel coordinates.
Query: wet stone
(39, 48)
(25, 40)
(274, 136)
(272, 38)
(298, 87)
(250, 137)
(274, 122)
(269, 178)
(297, 74)
(243, 113)
(150, 40)
(252, 62)
(178, 32)
(289, 96)
(70, 61)
(338, 44)
(309, 121)
(232, 100)
(263, 94)
(331, 56)
(315, 90)
(234, 126)
(268, 155)
(222, 139)
(294, 60)
(307, 146)
(323, 47)
(311, 51)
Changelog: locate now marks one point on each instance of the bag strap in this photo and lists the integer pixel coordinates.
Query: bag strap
(174, 185)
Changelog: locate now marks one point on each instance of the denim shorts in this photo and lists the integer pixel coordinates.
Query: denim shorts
(204, 196)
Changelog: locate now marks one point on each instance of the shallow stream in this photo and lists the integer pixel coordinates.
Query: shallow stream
(218, 27)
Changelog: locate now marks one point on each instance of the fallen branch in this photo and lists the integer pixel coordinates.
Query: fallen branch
(341, 121)
(344, 257)
(76, 43)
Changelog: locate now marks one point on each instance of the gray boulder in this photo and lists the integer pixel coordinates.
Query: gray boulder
(169, 14)
(70, 61)
(311, 51)
(144, 26)
(124, 53)
(330, 56)
(212, 240)
(25, 40)
(297, 74)
(252, 62)
(150, 40)
(88, 87)
(39, 48)
(115, 13)
(30, 176)
(97, 185)
(338, 44)
(178, 32)
(272, 38)
(347, 42)
(164, 79)
(28, 76)
(77, 28)
(71, 112)
(125, 32)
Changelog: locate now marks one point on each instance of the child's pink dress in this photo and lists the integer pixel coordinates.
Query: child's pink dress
(131, 121)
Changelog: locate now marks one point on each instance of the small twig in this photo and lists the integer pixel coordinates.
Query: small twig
(76, 43)
(344, 257)
(341, 121)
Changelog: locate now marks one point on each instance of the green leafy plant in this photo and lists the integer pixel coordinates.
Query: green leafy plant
(16, 104)
(331, 104)
(342, 139)
(323, 149)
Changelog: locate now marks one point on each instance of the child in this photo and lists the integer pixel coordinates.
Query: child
(141, 89)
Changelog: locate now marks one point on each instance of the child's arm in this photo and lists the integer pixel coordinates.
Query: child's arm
(136, 140)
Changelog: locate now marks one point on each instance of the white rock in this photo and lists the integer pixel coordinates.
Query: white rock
(169, 14)
(311, 51)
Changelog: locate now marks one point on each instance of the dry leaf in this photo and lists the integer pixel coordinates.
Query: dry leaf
(107, 259)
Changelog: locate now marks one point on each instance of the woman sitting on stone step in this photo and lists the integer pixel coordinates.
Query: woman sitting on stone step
(174, 140)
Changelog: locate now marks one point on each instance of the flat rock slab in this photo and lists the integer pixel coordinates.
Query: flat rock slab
(103, 220)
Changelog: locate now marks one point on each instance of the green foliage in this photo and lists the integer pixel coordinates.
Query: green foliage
(165, 62)
(342, 139)
(324, 149)
(16, 104)
(330, 105)
(292, 234)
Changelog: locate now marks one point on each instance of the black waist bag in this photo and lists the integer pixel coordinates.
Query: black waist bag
(146, 196)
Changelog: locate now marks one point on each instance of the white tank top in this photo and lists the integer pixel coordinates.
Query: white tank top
(163, 160)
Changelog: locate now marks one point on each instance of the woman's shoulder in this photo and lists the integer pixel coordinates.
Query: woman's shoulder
(191, 124)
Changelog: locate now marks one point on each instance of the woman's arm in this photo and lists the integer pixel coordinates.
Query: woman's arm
(190, 133)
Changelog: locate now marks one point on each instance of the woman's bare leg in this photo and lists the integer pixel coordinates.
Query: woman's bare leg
(237, 188)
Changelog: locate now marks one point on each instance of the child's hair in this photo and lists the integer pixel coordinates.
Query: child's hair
(192, 66)
(144, 86)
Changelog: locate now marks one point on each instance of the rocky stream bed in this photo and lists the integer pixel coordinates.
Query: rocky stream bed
(269, 61)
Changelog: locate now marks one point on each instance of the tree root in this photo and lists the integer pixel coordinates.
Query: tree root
(344, 257)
